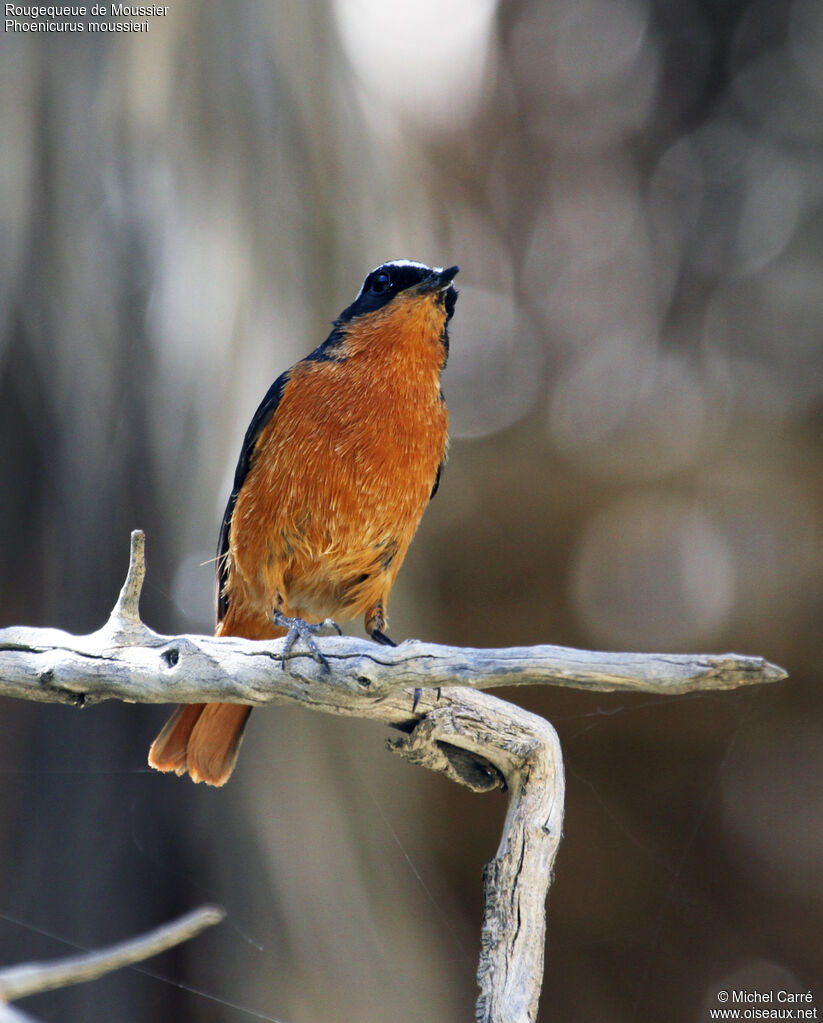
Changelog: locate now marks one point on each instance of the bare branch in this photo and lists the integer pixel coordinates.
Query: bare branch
(475, 739)
(128, 602)
(34, 978)
(141, 666)
(125, 660)
(525, 749)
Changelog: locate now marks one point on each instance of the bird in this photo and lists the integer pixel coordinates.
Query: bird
(336, 469)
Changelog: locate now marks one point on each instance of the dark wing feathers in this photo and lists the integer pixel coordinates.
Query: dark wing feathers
(445, 340)
(327, 352)
(437, 480)
(266, 409)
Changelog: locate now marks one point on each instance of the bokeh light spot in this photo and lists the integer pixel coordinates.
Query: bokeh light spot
(424, 60)
(496, 366)
(653, 572)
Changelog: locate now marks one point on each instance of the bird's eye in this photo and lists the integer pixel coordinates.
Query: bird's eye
(381, 283)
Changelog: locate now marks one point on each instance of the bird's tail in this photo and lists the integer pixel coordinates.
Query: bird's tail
(203, 739)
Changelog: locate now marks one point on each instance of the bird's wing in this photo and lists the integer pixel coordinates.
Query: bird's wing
(263, 415)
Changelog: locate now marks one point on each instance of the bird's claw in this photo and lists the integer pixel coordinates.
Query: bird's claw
(300, 629)
(417, 694)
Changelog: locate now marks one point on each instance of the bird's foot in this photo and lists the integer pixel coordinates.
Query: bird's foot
(417, 694)
(300, 629)
(379, 636)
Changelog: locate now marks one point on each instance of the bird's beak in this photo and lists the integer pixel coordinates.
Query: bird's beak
(438, 280)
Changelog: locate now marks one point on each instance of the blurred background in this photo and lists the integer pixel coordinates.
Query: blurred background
(633, 190)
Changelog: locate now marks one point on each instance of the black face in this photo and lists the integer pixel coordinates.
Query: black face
(389, 279)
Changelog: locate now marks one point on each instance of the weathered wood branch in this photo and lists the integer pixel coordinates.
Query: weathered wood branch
(477, 740)
(125, 660)
(33, 978)
(525, 749)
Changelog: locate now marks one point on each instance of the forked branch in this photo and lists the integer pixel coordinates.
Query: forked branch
(476, 739)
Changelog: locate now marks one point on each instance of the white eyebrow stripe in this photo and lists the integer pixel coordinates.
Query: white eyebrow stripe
(408, 262)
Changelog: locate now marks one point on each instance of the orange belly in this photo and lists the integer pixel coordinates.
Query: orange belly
(338, 484)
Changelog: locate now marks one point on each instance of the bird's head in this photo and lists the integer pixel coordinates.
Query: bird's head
(403, 278)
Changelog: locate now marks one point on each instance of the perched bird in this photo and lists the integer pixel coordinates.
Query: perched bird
(336, 469)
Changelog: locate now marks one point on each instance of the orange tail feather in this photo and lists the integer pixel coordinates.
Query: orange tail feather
(168, 751)
(203, 739)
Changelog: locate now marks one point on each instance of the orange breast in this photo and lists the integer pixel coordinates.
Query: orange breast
(343, 472)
